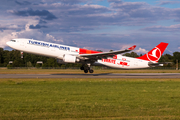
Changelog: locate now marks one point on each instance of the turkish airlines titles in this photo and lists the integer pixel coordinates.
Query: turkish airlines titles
(113, 61)
(48, 45)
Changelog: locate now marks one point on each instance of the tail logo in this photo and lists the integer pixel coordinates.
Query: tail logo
(154, 54)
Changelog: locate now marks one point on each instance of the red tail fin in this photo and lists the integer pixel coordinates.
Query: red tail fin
(155, 54)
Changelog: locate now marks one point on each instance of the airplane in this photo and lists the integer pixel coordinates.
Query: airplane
(68, 54)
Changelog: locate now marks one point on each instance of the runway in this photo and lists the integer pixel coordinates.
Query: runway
(104, 75)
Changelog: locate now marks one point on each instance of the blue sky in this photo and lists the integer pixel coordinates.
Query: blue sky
(96, 24)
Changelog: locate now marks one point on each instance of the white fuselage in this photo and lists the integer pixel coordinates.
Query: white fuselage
(58, 51)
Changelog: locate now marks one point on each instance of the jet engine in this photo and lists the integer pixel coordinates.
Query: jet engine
(70, 59)
(60, 61)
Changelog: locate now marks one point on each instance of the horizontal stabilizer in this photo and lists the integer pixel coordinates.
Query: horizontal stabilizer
(151, 64)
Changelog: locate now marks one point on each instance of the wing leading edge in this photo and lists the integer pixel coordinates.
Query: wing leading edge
(105, 54)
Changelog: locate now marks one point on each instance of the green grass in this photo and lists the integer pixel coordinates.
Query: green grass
(78, 71)
(89, 99)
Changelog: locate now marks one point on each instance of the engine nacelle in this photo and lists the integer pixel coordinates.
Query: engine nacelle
(70, 59)
(60, 61)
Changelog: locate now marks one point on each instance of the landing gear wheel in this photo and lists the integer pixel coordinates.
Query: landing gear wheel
(85, 71)
(91, 71)
(82, 67)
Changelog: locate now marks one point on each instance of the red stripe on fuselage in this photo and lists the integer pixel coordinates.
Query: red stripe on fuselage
(85, 51)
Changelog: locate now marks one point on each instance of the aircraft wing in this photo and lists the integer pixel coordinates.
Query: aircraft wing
(105, 54)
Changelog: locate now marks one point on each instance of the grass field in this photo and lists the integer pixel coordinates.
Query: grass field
(88, 99)
(78, 71)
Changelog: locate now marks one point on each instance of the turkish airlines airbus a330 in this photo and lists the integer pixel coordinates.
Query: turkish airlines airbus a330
(68, 54)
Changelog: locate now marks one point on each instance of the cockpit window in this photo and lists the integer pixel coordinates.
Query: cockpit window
(13, 40)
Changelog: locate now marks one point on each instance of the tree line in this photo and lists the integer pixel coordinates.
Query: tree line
(30, 60)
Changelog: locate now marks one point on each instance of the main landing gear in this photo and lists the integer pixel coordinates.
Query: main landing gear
(87, 69)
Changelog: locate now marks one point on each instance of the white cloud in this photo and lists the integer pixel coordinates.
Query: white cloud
(159, 28)
(141, 50)
(26, 33)
(74, 19)
(6, 38)
(168, 2)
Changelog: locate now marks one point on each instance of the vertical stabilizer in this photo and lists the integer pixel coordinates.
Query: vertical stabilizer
(155, 54)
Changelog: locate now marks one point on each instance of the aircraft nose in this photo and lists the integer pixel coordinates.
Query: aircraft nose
(8, 43)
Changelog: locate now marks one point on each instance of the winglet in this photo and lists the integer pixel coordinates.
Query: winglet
(132, 48)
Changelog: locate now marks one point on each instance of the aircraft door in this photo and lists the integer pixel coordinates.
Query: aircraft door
(23, 44)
